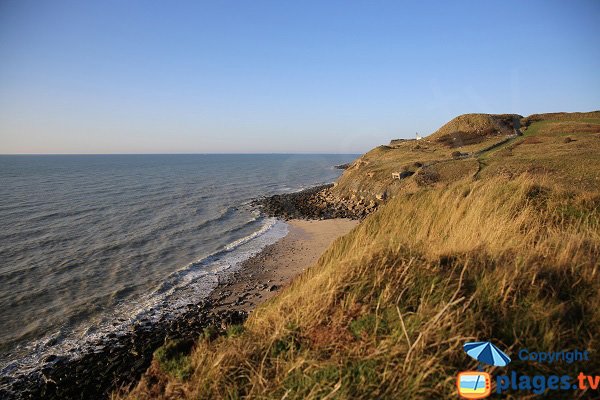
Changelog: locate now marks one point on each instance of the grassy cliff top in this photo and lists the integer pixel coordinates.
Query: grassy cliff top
(474, 128)
(501, 244)
(466, 146)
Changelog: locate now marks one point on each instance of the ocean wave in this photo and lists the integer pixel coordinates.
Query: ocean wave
(263, 229)
(219, 261)
(194, 281)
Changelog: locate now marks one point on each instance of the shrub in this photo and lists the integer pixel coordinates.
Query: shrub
(210, 333)
(426, 177)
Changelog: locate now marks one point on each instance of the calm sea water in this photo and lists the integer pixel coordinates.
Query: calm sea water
(87, 239)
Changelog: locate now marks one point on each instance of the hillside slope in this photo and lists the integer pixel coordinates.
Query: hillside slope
(474, 128)
(502, 244)
(438, 159)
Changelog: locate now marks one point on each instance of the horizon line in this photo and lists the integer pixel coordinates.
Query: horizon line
(173, 154)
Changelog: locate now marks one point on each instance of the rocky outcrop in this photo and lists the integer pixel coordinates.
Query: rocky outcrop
(315, 203)
(342, 166)
(113, 361)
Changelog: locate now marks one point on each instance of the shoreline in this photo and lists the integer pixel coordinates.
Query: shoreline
(263, 275)
(120, 359)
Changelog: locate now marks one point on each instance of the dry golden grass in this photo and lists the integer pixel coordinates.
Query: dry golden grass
(561, 116)
(372, 173)
(384, 312)
(544, 151)
(471, 129)
(502, 247)
(565, 128)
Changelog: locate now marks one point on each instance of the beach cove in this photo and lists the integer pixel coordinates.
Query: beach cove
(145, 240)
(263, 275)
(117, 359)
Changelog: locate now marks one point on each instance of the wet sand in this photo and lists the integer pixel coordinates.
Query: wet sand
(265, 274)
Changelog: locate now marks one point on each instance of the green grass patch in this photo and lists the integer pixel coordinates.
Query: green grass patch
(234, 330)
(174, 359)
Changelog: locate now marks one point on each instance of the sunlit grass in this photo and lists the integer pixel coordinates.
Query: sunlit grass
(503, 247)
(384, 312)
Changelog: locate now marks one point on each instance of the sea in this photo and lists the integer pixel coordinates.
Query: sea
(86, 240)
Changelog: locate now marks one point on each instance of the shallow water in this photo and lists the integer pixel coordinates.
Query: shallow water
(87, 239)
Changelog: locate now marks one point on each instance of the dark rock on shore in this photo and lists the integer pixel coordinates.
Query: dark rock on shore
(120, 358)
(343, 166)
(314, 203)
(114, 361)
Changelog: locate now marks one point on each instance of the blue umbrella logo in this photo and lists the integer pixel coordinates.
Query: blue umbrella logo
(486, 353)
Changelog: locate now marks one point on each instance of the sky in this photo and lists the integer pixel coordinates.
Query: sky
(281, 76)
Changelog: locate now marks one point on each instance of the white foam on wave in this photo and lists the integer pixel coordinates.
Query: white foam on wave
(261, 231)
(200, 277)
(189, 284)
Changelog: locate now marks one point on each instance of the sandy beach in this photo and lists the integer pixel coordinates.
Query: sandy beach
(263, 275)
(130, 353)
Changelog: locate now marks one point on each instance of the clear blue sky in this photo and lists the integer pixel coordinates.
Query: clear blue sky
(281, 76)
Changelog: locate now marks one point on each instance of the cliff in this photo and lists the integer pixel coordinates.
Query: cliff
(457, 150)
(500, 242)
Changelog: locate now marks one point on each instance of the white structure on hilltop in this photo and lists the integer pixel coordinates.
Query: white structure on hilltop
(418, 137)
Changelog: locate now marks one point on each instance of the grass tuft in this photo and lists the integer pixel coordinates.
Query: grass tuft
(173, 358)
